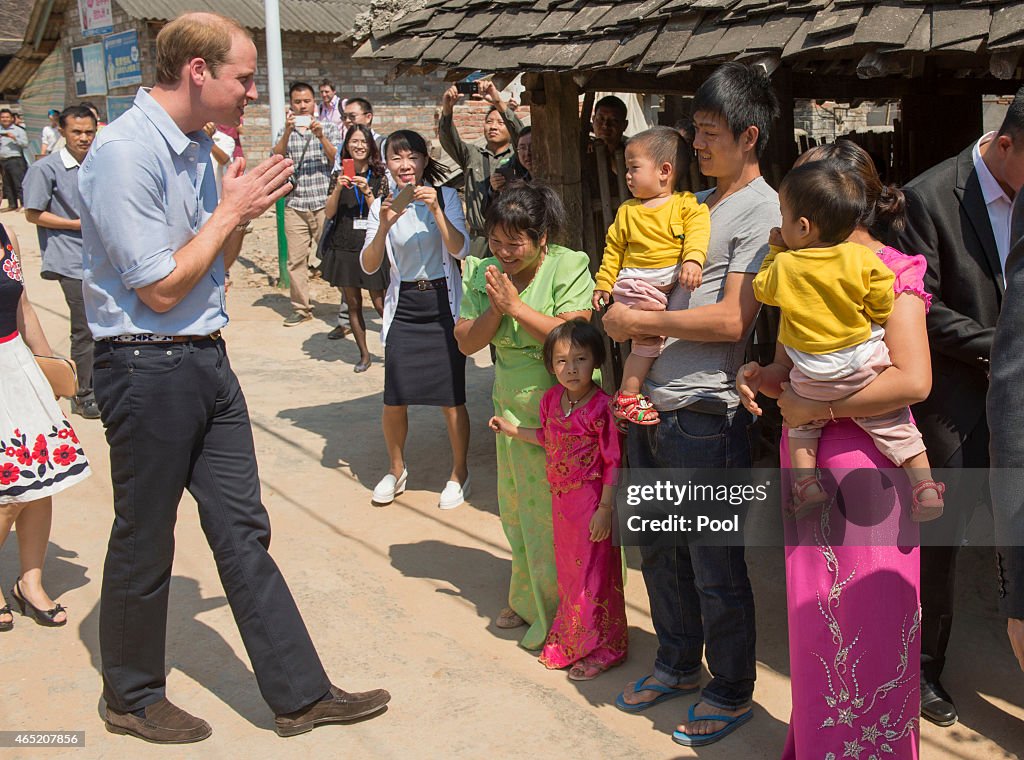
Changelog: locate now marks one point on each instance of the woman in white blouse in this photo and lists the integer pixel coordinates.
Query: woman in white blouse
(422, 361)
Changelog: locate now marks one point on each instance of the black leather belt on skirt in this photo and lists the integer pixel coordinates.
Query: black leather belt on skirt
(152, 338)
(439, 284)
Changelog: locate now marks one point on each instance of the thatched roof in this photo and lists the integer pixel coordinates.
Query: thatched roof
(865, 38)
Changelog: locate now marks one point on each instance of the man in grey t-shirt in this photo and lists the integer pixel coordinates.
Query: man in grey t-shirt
(697, 591)
(52, 204)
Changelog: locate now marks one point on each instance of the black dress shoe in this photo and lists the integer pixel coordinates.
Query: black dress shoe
(936, 705)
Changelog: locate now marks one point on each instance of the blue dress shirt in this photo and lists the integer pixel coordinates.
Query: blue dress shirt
(146, 189)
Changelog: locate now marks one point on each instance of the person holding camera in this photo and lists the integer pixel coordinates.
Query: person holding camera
(312, 146)
(520, 167)
(501, 130)
(360, 182)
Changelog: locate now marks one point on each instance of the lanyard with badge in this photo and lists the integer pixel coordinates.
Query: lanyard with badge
(361, 222)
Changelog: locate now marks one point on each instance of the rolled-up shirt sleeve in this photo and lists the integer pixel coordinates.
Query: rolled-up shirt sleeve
(124, 194)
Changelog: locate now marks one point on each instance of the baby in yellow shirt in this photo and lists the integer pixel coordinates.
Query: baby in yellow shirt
(834, 297)
(659, 237)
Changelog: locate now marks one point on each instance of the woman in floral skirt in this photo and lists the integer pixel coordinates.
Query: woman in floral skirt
(39, 451)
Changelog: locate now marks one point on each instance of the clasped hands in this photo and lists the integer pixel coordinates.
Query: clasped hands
(502, 293)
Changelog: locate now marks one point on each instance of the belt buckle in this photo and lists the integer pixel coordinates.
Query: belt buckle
(422, 285)
(215, 335)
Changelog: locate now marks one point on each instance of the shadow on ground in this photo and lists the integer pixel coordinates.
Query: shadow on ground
(481, 578)
(198, 651)
(352, 436)
(59, 576)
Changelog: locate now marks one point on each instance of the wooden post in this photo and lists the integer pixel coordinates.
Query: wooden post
(931, 134)
(555, 118)
(781, 153)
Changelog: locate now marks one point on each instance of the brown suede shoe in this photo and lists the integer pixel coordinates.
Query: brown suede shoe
(164, 724)
(342, 707)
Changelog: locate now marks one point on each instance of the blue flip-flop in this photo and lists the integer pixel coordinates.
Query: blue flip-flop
(665, 693)
(701, 740)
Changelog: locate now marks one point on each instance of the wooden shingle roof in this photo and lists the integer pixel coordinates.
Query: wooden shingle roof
(865, 38)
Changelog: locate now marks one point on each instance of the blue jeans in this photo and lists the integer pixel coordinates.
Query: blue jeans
(700, 596)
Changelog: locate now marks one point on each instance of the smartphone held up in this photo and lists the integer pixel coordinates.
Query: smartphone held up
(403, 199)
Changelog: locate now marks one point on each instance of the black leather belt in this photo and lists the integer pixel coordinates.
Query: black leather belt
(438, 284)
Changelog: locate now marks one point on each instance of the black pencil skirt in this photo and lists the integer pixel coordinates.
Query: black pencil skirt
(422, 362)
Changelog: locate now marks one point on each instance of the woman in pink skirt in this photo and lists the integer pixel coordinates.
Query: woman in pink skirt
(853, 576)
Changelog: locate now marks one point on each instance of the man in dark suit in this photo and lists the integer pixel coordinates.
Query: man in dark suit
(1006, 412)
(958, 217)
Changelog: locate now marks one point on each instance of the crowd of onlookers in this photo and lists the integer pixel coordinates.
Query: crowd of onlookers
(877, 299)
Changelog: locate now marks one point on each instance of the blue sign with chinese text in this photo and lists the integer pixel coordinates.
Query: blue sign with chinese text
(121, 55)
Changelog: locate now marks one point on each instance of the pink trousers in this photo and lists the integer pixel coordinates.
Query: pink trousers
(895, 433)
(640, 294)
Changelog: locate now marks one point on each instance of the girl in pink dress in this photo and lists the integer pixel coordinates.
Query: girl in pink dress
(853, 575)
(581, 442)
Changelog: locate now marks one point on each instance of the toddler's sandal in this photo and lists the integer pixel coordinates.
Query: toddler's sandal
(925, 508)
(635, 408)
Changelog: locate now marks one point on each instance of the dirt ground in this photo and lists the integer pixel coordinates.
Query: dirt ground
(403, 596)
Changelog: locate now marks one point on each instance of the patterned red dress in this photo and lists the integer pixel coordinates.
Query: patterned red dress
(583, 456)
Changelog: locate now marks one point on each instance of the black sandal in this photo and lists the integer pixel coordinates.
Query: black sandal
(7, 624)
(43, 617)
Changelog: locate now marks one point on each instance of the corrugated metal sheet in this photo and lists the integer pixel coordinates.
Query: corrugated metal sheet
(45, 90)
(315, 16)
(25, 62)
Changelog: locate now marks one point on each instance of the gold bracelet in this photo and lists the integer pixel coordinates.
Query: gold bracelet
(605, 506)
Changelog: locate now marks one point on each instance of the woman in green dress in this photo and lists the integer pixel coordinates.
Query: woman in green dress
(513, 300)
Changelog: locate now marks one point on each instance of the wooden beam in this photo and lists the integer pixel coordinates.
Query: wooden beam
(805, 85)
(556, 147)
(819, 87)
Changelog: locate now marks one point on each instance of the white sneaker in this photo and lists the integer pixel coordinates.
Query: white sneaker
(388, 488)
(454, 494)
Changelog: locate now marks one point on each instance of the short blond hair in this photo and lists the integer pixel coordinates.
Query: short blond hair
(194, 35)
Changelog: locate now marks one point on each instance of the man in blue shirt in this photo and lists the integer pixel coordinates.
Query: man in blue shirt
(173, 411)
(13, 141)
(52, 204)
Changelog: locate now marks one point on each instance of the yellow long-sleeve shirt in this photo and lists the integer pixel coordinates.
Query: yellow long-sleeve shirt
(655, 238)
(828, 296)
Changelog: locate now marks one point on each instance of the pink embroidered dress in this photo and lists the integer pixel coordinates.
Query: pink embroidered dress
(853, 584)
(583, 455)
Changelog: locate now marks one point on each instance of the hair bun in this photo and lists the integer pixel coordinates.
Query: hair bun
(891, 208)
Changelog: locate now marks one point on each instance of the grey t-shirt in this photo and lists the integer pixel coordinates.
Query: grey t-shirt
(51, 184)
(689, 371)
